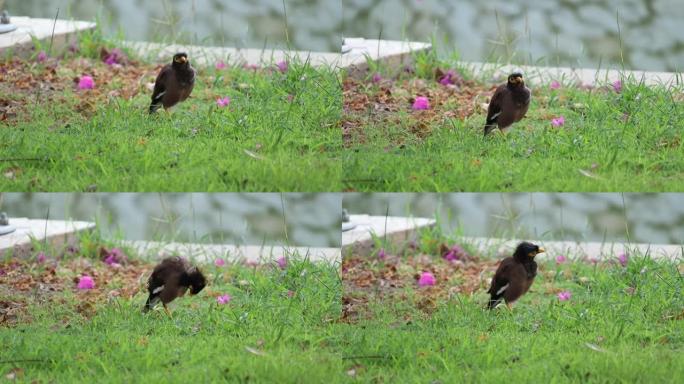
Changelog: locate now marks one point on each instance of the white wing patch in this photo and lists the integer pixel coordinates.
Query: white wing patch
(159, 289)
(502, 289)
(494, 116)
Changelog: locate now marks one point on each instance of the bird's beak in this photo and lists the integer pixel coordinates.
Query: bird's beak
(541, 250)
(183, 59)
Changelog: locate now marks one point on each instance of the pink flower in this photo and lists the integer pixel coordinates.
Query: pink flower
(593, 260)
(253, 67)
(219, 262)
(115, 56)
(282, 66)
(376, 78)
(623, 259)
(282, 262)
(86, 82)
(86, 282)
(381, 254)
(115, 257)
(290, 294)
(42, 57)
(427, 279)
(617, 86)
(223, 101)
(450, 78)
(223, 299)
(421, 103)
(560, 259)
(220, 65)
(555, 85)
(41, 257)
(451, 255)
(558, 122)
(564, 296)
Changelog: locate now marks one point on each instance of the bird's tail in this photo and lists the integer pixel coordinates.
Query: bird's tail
(493, 302)
(154, 107)
(150, 303)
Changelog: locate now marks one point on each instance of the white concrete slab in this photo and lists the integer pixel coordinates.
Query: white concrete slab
(29, 231)
(20, 40)
(356, 52)
(576, 250)
(233, 253)
(208, 56)
(396, 230)
(537, 75)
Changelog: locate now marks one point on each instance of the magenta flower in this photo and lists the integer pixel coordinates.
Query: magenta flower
(86, 282)
(282, 262)
(115, 257)
(282, 66)
(451, 255)
(381, 254)
(42, 57)
(421, 103)
(623, 259)
(219, 262)
(86, 82)
(220, 65)
(564, 296)
(555, 85)
(376, 78)
(558, 122)
(223, 299)
(115, 56)
(450, 78)
(223, 101)
(617, 86)
(290, 294)
(427, 279)
(560, 259)
(41, 257)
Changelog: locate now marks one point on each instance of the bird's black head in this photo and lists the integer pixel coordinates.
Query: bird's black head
(515, 79)
(195, 280)
(180, 59)
(527, 251)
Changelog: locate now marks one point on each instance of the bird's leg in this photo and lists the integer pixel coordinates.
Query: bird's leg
(166, 309)
(510, 307)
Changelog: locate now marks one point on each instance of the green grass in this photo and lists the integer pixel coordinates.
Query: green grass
(621, 325)
(261, 335)
(627, 141)
(280, 132)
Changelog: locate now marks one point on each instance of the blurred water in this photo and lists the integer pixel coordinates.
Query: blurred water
(649, 218)
(234, 218)
(566, 32)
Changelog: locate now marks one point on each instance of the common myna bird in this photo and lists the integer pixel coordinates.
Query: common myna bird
(170, 279)
(509, 104)
(174, 83)
(515, 275)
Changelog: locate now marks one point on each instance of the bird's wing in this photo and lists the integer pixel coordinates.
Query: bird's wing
(495, 104)
(160, 85)
(500, 277)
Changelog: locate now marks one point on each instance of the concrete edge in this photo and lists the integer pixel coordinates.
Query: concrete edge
(232, 253)
(402, 230)
(56, 233)
(20, 41)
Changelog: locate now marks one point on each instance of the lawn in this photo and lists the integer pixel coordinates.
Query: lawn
(614, 137)
(622, 323)
(282, 123)
(275, 328)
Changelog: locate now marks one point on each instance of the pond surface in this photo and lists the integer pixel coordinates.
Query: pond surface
(551, 32)
(650, 218)
(231, 218)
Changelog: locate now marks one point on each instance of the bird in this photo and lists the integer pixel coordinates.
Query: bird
(171, 279)
(509, 104)
(174, 83)
(515, 275)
